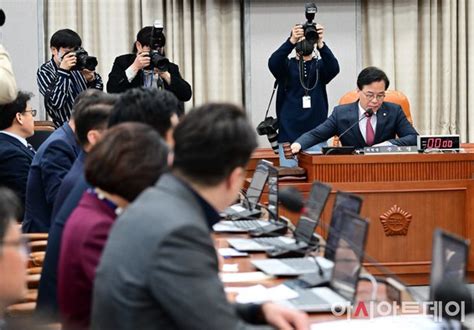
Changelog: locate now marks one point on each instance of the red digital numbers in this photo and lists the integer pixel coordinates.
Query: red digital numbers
(439, 143)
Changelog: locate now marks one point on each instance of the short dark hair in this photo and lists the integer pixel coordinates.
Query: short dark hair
(144, 37)
(92, 114)
(10, 209)
(66, 38)
(8, 111)
(371, 74)
(150, 106)
(89, 95)
(129, 158)
(211, 141)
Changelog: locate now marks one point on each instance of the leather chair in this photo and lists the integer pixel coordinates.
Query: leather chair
(391, 95)
(43, 129)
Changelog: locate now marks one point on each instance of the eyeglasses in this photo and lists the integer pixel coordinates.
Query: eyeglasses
(21, 245)
(33, 112)
(371, 96)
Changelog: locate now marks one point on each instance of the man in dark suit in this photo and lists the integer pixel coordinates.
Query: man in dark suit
(159, 269)
(134, 70)
(50, 165)
(16, 124)
(387, 126)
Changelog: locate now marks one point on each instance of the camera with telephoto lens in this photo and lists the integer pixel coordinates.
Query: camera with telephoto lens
(83, 60)
(269, 127)
(2, 17)
(157, 42)
(309, 27)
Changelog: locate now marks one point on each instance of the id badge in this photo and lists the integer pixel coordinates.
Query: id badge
(306, 102)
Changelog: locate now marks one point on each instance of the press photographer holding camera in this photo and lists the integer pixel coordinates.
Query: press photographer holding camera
(69, 72)
(302, 102)
(148, 67)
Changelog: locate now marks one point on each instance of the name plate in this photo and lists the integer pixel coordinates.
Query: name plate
(390, 150)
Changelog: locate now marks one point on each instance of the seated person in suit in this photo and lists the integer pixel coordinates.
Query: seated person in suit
(52, 162)
(8, 90)
(129, 158)
(134, 70)
(13, 253)
(387, 126)
(90, 123)
(159, 268)
(149, 106)
(16, 124)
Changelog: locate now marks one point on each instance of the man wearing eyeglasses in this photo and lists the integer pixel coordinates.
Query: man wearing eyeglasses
(16, 124)
(13, 254)
(380, 123)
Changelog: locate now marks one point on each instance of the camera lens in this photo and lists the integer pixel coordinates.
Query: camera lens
(310, 34)
(273, 139)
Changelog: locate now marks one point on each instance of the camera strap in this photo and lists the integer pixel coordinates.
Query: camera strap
(275, 85)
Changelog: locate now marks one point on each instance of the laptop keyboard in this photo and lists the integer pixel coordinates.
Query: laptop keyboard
(307, 297)
(272, 241)
(247, 224)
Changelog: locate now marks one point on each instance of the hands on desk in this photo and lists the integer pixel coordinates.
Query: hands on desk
(284, 318)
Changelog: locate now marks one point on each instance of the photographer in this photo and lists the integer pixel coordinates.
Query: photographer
(66, 75)
(302, 102)
(147, 67)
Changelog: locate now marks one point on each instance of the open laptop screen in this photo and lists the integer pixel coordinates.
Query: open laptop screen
(315, 203)
(255, 188)
(349, 253)
(450, 254)
(343, 201)
(273, 191)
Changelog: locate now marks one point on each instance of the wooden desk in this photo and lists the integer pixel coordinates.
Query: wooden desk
(364, 289)
(406, 197)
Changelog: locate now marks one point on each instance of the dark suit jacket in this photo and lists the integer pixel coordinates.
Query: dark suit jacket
(69, 180)
(159, 267)
(15, 161)
(47, 299)
(84, 238)
(118, 81)
(391, 123)
(51, 163)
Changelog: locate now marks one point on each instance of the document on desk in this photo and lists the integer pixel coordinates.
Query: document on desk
(244, 277)
(230, 252)
(258, 294)
(405, 322)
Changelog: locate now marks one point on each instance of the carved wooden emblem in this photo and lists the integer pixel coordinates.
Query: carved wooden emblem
(395, 221)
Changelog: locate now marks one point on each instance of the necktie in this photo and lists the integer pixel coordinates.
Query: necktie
(30, 147)
(369, 133)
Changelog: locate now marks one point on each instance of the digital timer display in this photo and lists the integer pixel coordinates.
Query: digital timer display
(442, 142)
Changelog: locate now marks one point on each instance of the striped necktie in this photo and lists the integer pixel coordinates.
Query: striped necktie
(30, 147)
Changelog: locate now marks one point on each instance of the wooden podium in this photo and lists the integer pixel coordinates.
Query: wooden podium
(406, 197)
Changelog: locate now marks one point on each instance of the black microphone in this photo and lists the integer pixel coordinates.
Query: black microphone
(292, 199)
(345, 150)
(367, 114)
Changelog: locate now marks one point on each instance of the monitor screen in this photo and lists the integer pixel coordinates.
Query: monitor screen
(449, 259)
(343, 201)
(348, 254)
(308, 222)
(273, 192)
(255, 189)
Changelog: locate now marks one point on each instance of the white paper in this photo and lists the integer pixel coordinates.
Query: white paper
(230, 252)
(244, 277)
(259, 294)
(238, 208)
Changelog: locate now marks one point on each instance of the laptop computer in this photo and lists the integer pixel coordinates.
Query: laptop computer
(243, 226)
(342, 288)
(248, 207)
(303, 234)
(450, 258)
(343, 201)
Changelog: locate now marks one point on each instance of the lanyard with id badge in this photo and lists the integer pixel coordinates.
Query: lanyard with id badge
(306, 99)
